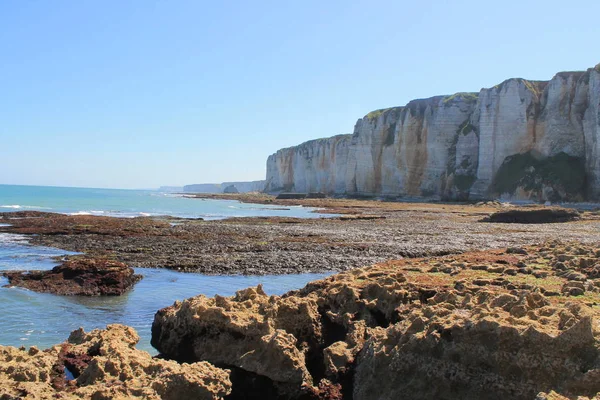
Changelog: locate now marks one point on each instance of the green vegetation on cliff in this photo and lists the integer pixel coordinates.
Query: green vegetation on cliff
(375, 114)
(466, 127)
(464, 96)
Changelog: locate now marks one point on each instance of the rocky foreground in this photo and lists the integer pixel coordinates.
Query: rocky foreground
(104, 365)
(516, 323)
(507, 324)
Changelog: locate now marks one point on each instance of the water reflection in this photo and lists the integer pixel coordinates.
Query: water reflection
(43, 320)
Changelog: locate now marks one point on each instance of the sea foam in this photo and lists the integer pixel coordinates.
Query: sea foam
(18, 206)
(10, 238)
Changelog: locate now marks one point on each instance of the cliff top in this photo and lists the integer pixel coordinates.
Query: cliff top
(315, 141)
(535, 86)
(419, 105)
(376, 113)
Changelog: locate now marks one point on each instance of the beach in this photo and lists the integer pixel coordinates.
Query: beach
(311, 305)
(364, 233)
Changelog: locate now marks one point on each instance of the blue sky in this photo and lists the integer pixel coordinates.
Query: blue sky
(132, 94)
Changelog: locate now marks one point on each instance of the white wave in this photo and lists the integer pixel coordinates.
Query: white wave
(145, 214)
(90, 212)
(19, 206)
(8, 238)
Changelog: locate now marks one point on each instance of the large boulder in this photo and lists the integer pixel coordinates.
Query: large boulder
(104, 364)
(78, 276)
(248, 332)
(534, 216)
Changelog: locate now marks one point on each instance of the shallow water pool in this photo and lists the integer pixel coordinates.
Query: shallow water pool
(43, 320)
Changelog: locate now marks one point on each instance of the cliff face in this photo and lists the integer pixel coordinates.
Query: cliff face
(522, 140)
(315, 166)
(242, 187)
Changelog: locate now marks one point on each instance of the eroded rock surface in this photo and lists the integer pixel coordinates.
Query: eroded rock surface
(78, 276)
(105, 365)
(510, 323)
(521, 139)
(367, 233)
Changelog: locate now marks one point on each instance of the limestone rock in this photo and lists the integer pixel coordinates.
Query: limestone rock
(522, 140)
(260, 336)
(105, 365)
(241, 187)
(394, 331)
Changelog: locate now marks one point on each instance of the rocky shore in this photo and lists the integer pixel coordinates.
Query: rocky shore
(509, 323)
(367, 232)
(518, 323)
(433, 303)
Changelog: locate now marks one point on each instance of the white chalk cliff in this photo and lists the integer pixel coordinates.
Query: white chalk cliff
(534, 140)
(240, 187)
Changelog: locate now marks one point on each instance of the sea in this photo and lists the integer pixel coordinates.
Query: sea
(43, 320)
(135, 203)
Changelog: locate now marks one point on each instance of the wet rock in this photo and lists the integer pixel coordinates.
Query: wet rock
(516, 250)
(291, 196)
(534, 216)
(276, 245)
(78, 276)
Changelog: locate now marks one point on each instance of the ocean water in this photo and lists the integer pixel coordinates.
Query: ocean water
(134, 203)
(43, 320)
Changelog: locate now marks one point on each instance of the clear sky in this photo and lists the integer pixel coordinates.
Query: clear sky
(138, 94)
